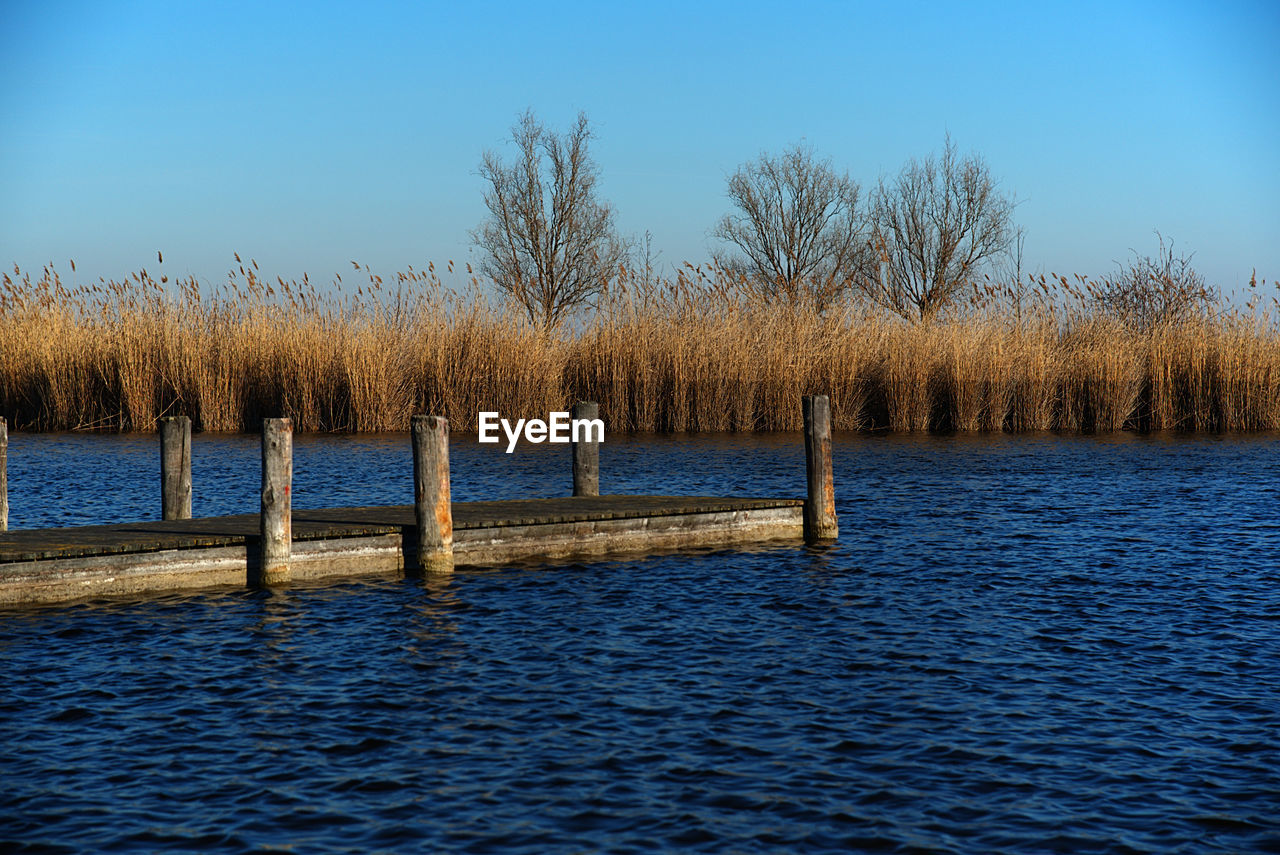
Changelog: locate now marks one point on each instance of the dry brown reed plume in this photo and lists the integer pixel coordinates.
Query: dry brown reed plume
(684, 353)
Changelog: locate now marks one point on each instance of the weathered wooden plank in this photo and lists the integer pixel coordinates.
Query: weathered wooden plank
(586, 452)
(4, 474)
(433, 512)
(489, 546)
(820, 522)
(277, 500)
(175, 468)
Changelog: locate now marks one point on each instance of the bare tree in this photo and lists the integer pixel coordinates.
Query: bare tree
(798, 232)
(1152, 291)
(936, 225)
(548, 242)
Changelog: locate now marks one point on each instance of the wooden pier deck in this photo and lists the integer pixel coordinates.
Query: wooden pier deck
(58, 564)
(433, 535)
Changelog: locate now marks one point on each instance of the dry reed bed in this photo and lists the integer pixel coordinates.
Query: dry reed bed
(677, 356)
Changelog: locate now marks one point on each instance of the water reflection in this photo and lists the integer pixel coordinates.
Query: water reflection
(432, 620)
(273, 634)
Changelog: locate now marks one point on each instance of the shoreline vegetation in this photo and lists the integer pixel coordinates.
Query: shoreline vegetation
(688, 352)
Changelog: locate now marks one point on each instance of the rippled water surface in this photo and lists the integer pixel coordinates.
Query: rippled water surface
(1018, 644)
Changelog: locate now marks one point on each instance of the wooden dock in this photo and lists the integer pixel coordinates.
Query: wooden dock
(49, 565)
(432, 535)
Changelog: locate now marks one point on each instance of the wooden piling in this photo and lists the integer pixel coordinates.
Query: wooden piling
(276, 525)
(175, 468)
(820, 504)
(586, 454)
(4, 475)
(432, 505)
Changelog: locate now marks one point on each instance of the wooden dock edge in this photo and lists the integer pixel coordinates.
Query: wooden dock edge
(383, 555)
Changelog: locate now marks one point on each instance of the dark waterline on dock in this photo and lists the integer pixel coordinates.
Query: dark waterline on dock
(1019, 644)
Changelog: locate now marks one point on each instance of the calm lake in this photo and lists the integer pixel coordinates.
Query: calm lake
(1031, 643)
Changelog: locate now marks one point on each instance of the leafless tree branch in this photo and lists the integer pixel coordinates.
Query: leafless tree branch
(935, 225)
(798, 232)
(548, 242)
(1152, 291)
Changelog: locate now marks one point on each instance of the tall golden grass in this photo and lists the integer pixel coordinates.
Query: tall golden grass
(688, 353)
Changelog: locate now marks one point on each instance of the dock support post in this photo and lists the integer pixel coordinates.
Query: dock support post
(820, 504)
(4, 475)
(175, 468)
(586, 454)
(277, 499)
(432, 505)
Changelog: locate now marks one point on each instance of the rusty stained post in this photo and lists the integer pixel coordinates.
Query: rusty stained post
(175, 468)
(4, 475)
(586, 454)
(432, 507)
(277, 500)
(820, 505)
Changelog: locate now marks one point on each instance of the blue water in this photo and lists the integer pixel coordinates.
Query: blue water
(1040, 644)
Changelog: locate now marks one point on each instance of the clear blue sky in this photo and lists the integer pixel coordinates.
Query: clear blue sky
(309, 134)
